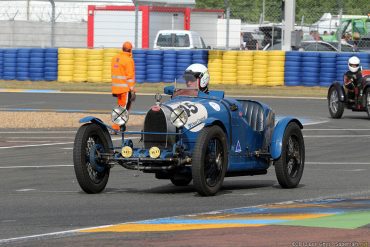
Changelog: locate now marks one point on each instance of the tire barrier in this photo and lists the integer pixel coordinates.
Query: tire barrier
(292, 68)
(229, 62)
(10, 64)
(65, 64)
(23, 64)
(244, 63)
(140, 65)
(1, 63)
(327, 68)
(51, 64)
(275, 68)
(260, 64)
(310, 69)
(262, 68)
(215, 66)
(183, 60)
(169, 72)
(95, 58)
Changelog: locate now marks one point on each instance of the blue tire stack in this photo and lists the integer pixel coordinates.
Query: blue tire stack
(342, 65)
(310, 69)
(169, 66)
(51, 64)
(10, 64)
(292, 69)
(140, 65)
(365, 60)
(154, 64)
(183, 61)
(1, 62)
(37, 63)
(200, 56)
(328, 68)
(23, 63)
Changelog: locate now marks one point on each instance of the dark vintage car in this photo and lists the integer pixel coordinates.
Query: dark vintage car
(198, 136)
(338, 98)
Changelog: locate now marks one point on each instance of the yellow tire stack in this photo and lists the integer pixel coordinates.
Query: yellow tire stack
(229, 67)
(260, 63)
(215, 66)
(80, 65)
(275, 74)
(107, 60)
(95, 65)
(245, 67)
(65, 64)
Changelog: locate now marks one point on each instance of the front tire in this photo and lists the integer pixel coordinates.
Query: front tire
(289, 167)
(336, 107)
(210, 159)
(91, 175)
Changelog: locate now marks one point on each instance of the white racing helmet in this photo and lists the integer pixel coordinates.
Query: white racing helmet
(354, 64)
(199, 73)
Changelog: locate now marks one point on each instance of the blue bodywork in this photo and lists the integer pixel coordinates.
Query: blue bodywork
(253, 137)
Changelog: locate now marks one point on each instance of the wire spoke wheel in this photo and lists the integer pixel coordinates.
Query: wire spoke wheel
(289, 167)
(91, 140)
(209, 161)
(336, 107)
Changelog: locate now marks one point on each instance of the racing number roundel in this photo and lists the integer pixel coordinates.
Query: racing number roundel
(197, 113)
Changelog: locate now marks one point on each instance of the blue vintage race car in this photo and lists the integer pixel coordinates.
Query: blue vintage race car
(197, 136)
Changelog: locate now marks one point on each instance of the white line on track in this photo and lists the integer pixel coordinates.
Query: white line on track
(76, 231)
(336, 129)
(48, 166)
(38, 132)
(40, 137)
(27, 141)
(37, 145)
(335, 136)
(336, 163)
(312, 123)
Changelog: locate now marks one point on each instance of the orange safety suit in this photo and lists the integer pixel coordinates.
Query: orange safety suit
(123, 79)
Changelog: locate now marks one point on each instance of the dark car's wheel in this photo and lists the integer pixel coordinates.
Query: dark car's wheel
(336, 107)
(181, 181)
(91, 175)
(209, 161)
(367, 95)
(289, 167)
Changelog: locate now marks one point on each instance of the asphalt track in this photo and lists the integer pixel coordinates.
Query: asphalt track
(41, 203)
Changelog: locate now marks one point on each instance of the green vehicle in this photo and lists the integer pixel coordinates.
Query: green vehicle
(356, 31)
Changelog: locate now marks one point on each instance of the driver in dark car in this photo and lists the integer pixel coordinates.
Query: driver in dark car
(353, 78)
(197, 78)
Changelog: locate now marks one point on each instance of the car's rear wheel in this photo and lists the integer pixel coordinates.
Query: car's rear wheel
(336, 107)
(210, 160)
(289, 167)
(91, 174)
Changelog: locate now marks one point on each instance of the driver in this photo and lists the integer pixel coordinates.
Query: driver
(196, 77)
(353, 78)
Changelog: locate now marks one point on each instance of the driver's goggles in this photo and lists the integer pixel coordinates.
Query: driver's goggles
(354, 65)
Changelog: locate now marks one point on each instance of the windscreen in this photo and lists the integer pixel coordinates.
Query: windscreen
(173, 40)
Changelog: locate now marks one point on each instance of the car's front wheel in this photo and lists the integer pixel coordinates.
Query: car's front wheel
(210, 160)
(289, 167)
(91, 174)
(336, 107)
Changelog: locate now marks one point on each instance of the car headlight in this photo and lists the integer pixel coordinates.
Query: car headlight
(120, 115)
(179, 117)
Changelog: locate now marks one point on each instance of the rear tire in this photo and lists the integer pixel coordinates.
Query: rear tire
(90, 137)
(181, 181)
(289, 167)
(336, 107)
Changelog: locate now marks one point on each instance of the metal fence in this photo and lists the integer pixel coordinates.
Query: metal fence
(228, 24)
